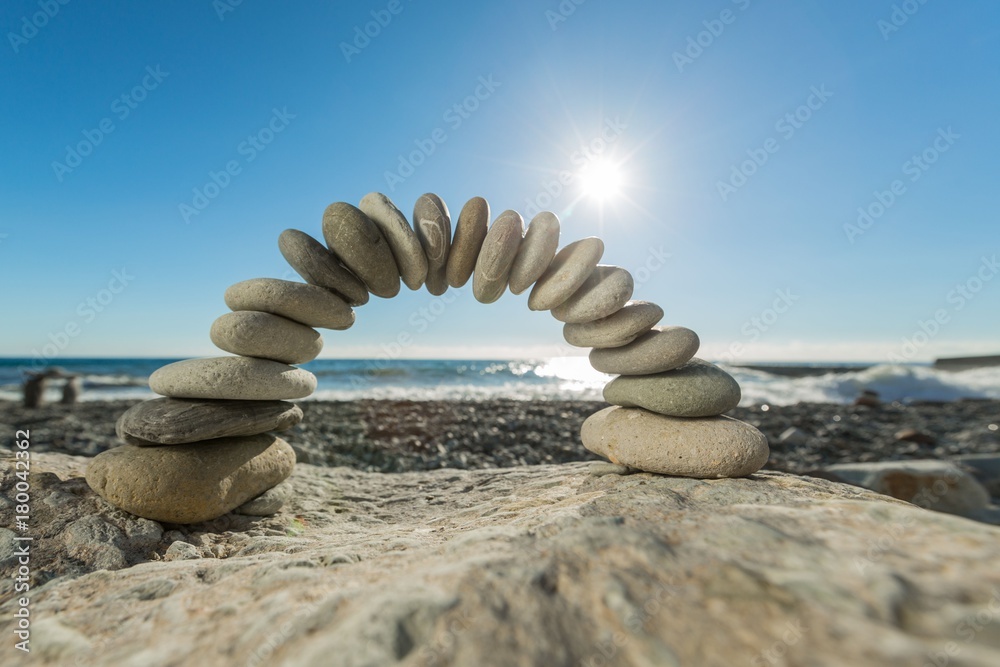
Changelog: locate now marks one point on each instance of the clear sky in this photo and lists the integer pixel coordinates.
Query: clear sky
(798, 181)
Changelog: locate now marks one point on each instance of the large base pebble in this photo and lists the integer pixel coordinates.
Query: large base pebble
(256, 334)
(306, 304)
(696, 389)
(174, 421)
(233, 378)
(703, 448)
(190, 483)
(660, 349)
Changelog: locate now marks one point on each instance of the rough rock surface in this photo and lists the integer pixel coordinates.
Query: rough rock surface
(576, 564)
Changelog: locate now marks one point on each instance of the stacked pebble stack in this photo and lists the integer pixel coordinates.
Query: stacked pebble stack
(207, 448)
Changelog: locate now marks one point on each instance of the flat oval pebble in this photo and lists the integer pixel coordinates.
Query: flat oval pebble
(470, 232)
(403, 242)
(631, 321)
(569, 269)
(306, 304)
(268, 503)
(252, 333)
(232, 378)
(175, 421)
(357, 241)
(603, 293)
(536, 252)
(497, 257)
(705, 448)
(659, 349)
(696, 389)
(432, 223)
(318, 266)
(190, 483)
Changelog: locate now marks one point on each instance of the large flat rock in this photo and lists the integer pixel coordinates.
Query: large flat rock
(576, 564)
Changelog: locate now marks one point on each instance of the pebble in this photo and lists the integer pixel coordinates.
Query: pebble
(406, 249)
(190, 483)
(470, 232)
(357, 241)
(696, 389)
(175, 421)
(253, 333)
(913, 435)
(704, 448)
(937, 485)
(306, 304)
(659, 349)
(569, 269)
(268, 503)
(496, 258)
(432, 223)
(232, 378)
(603, 293)
(318, 266)
(536, 252)
(621, 328)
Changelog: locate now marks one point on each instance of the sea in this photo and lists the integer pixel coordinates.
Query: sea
(560, 378)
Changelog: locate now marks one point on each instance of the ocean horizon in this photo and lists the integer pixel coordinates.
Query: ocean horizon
(555, 378)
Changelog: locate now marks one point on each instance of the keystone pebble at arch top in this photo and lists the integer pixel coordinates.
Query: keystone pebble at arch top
(206, 448)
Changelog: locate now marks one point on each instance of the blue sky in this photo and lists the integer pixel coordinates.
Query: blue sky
(747, 136)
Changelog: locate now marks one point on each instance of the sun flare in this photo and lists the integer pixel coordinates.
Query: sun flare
(600, 179)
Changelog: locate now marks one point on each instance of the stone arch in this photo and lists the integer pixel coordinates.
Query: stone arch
(206, 446)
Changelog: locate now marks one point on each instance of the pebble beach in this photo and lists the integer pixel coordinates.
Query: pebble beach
(402, 436)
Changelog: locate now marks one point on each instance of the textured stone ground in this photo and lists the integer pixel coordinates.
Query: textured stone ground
(573, 564)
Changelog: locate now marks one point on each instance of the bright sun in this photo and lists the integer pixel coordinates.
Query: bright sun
(600, 179)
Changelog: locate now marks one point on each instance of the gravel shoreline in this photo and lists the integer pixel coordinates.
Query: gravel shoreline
(398, 436)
